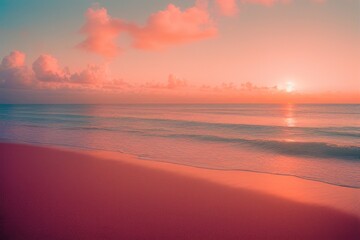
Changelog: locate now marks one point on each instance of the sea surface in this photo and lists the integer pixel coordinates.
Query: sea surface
(316, 142)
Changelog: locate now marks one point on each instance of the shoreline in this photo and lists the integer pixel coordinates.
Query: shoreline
(71, 194)
(90, 151)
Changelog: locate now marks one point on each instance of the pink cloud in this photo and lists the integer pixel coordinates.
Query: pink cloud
(46, 73)
(227, 7)
(164, 28)
(92, 75)
(243, 87)
(230, 7)
(173, 26)
(172, 83)
(266, 2)
(175, 82)
(47, 69)
(13, 71)
(118, 84)
(13, 60)
(101, 31)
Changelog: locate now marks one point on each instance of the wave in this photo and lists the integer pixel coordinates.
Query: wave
(255, 171)
(340, 133)
(66, 118)
(163, 128)
(87, 128)
(305, 149)
(147, 158)
(345, 131)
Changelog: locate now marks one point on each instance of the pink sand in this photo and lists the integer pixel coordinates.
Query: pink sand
(56, 194)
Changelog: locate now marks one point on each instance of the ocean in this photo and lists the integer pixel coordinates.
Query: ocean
(315, 142)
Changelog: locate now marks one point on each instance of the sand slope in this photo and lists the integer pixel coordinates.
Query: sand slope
(53, 194)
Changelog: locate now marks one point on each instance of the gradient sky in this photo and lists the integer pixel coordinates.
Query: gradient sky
(179, 51)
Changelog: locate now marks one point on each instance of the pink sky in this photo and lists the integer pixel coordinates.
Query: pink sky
(206, 51)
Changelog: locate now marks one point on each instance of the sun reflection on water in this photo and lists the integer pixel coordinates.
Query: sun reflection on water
(289, 119)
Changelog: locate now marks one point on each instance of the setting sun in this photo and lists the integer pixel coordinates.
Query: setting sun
(290, 87)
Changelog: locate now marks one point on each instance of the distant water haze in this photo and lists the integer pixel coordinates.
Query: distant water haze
(316, 142)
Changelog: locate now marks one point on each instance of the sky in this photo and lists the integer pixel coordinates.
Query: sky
(180, 51)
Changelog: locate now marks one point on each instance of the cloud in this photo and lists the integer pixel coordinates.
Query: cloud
(268, 2)
(172, 83)
(91, 75)
(170, 26)
(14, 60)
(230, 7)
(46, 73)
(249, 86)
(173, 26)
(13, 71)
(227, 7)
(47, 69)
(243, 87)
(265, 2)
(101, 31)
(165, 28)
(117, 84)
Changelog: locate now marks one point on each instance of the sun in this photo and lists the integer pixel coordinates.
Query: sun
(290, 87)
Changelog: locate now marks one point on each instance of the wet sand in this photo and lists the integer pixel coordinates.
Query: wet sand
(50, 193)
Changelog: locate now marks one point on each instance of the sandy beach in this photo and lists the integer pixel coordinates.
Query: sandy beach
(49, 193)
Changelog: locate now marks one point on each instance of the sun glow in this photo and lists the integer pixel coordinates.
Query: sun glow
(290, 87)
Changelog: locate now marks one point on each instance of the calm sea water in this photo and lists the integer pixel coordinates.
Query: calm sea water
(317, 142)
